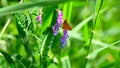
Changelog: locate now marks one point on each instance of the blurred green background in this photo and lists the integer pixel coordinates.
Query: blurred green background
(94, 41)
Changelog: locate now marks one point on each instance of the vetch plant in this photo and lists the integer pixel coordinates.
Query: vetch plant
(64, 38)
(65, 27)
(58, 22)
(32, 38)
(41, 30)
(39, 17)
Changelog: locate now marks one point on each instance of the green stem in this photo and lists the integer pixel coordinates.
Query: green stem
(116, 65)
(4, 28)
(92, 33)
(117, 61)
(47, 43)
(41, 52)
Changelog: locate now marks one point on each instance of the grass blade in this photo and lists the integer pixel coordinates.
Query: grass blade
(7, 57)
(94, 54)
(4, 28)
(27, 5)
(93, 27)
(66, 62)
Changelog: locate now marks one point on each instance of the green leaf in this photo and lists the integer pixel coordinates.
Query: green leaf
(66, 62)
(56, 45)
(47, 17)
(96, 52)
(23, 26)
(47, 43)
(67, 9)
(7, 57)
(27, 5)
(117, 63)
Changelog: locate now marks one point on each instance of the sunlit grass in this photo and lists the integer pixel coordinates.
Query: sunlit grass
(93, 42)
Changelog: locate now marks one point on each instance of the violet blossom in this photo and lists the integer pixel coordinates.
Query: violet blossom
(58, 23)
(64, 38)
(39, 18)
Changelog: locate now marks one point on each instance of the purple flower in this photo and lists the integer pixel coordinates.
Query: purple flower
(56, 28)
(64, 38)
(39, 18)
(60, 17)
(58, 22)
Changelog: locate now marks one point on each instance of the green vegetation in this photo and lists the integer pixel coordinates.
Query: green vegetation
(94, 41)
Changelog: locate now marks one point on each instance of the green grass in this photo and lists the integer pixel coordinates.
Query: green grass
(93, 42)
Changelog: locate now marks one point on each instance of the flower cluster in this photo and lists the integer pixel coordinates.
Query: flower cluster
(57, 26)
(58, 22)
(64, 38)
(39, 18)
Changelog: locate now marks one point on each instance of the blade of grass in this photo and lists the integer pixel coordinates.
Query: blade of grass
(66, 62)
(27, 5)
(117, 63)
(67, 10)
(80, 25)
(94, 54)
(47, 17)
(43, 44)
(86, 31)
(4, 28)
(104, 44)
(8, 58)
(85, 21)
(97, 9)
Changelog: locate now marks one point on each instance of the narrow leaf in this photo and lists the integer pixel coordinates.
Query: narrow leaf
(27, 5)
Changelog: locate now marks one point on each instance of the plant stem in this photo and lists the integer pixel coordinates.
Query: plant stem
(47, 43)
(4, 28)
(93, 28)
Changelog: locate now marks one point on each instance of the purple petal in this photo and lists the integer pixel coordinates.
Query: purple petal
(58, 22)
(55, 29)
(39, 18)
(64, 38)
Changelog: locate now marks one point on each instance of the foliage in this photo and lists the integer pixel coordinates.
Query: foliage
(93, 42)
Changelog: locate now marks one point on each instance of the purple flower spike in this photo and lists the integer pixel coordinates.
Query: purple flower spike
(60, 16)
(58, 22)
(56, 28)
(39, 18)
(64, 38)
